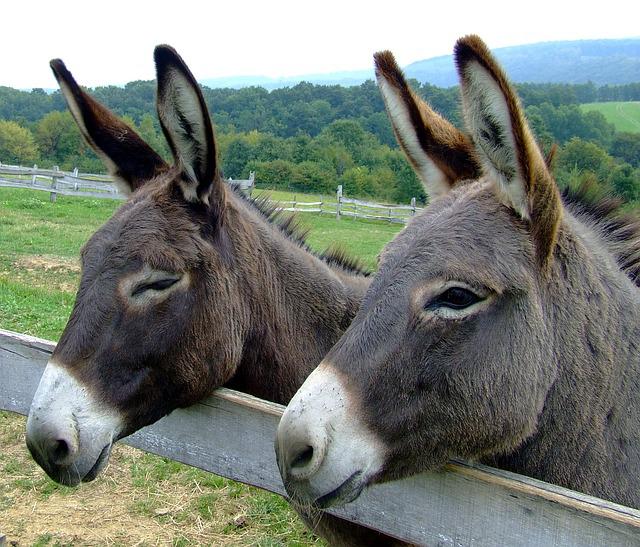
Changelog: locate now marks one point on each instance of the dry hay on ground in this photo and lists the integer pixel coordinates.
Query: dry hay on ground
(139, 500)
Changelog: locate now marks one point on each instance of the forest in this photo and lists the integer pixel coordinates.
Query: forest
(310, 138)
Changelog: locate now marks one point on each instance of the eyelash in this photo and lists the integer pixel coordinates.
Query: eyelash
(160, 285)
(455, 298)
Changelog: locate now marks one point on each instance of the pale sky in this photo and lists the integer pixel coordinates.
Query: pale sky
(111, 42)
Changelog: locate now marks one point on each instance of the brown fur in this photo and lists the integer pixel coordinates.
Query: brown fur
(258, 310)
(449, 148)
(542, 192)
(136, 161)
(620, 230)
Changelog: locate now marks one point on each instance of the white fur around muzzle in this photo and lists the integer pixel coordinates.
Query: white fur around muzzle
(321, 415)
(64, 409)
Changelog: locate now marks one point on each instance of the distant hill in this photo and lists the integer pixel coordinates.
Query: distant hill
(574, 62)
(348, 78)
(599, 61)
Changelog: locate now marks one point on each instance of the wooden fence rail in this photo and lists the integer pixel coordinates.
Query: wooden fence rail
(465, 504)
(63, 183)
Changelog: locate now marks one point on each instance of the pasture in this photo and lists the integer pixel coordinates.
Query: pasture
(624, 115)
(142, 499)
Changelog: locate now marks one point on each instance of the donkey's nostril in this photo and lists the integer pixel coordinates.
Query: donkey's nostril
(303, 458)
(60, 451)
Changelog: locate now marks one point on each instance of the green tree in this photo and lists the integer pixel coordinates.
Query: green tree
(17, 145)
(407, 185)
(625, 180)
(354, 181)
(584, 156)
(238, 152)
(273, 174)
(313, 178)
(59, 139)
(626, 146)
(152, 136)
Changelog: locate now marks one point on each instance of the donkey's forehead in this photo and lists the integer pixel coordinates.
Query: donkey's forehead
(150, 229)
(466, 234)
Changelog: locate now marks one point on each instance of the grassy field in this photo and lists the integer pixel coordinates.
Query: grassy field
(624, 115)
(141, 499)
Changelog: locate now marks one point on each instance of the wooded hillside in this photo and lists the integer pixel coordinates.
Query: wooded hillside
(312, 138)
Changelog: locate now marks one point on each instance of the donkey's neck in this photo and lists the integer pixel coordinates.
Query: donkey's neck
(587, 436)
(300, 306)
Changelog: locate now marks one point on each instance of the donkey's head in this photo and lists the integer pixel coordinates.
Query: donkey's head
(449, 354)
(157, 321)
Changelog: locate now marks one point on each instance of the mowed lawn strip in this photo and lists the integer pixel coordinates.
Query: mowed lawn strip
(141, 498)
(624, 115)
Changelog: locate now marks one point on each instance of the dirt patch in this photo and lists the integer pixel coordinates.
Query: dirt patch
(139, 500)
(46, 271)
(48, 263)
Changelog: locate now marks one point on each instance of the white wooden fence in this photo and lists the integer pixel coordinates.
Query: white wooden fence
(64, 183)
(355, 208)
(232, 434)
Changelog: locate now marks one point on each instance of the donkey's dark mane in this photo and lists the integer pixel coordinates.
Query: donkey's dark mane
(619, 228)
(291, 227)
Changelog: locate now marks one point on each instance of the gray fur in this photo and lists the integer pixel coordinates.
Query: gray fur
(538, 372)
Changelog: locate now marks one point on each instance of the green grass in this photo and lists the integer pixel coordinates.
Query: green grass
(39, 248)
(624, 115)
(361, 238)
(280, 195)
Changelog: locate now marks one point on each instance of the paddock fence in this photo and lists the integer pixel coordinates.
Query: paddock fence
(231, 434)
(73, 183)
(89, 185)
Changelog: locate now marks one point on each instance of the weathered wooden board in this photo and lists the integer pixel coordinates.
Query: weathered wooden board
(232, 434)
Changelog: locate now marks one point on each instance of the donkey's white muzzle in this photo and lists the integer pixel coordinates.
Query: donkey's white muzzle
(69, 433)
(325, 454)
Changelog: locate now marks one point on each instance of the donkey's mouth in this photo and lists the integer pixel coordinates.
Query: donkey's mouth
(348, 491)
(102, 460)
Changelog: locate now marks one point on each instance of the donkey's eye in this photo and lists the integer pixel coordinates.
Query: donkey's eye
(159, 285)
(455, 298)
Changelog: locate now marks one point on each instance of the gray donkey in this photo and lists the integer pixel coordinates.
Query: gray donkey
(503, 325)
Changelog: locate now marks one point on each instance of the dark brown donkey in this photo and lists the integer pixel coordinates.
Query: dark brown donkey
(188, 287)
(503, 325)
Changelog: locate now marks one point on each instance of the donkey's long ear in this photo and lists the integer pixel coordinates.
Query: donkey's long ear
(505, 144)
(440, 154)
(186, 124)
(129, 159)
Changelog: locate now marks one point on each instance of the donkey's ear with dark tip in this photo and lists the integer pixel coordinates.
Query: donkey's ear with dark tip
(440, 154)
(505, 144)
(185, 121)
(128, 158)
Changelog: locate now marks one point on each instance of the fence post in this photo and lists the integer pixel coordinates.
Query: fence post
(321, 201)
(294, 202)
(413, 207)
(75, 172)
(252, 185)
(34, 178)
(339, 201)
(54, 184)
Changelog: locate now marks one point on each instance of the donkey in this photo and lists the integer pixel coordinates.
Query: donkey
(502, 326)
(188, 287)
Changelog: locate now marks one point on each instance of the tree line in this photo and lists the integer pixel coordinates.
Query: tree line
(313, 137)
